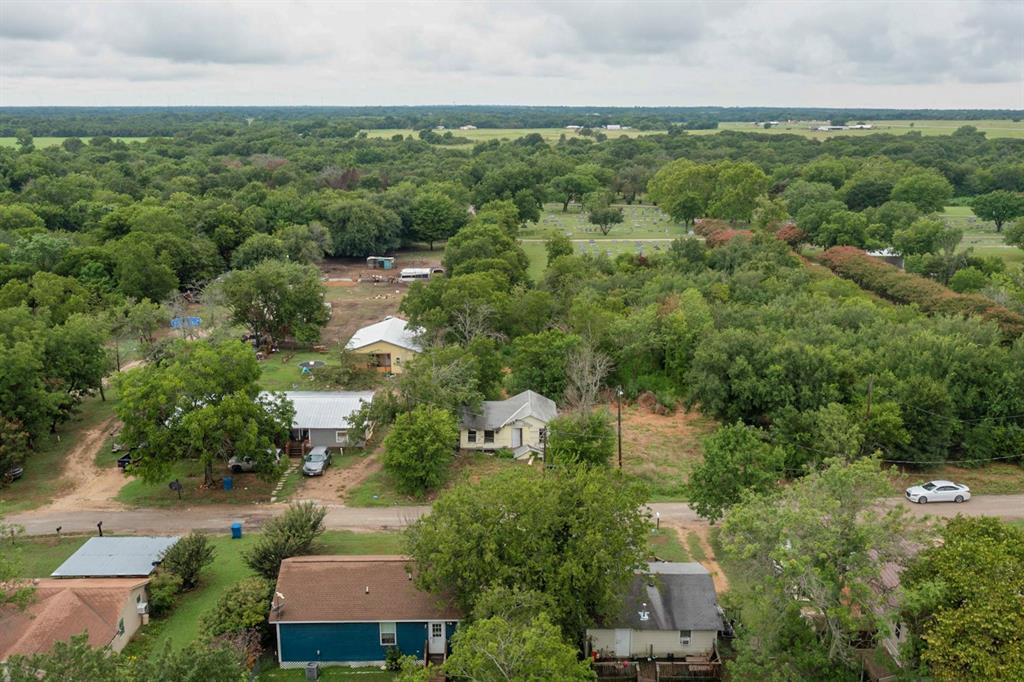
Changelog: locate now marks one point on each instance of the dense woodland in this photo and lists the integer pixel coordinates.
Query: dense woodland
(819, 363)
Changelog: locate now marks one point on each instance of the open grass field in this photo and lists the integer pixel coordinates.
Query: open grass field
(995, 478)
(41, 142)
(980, 235)
(43, 478)
(645, 229)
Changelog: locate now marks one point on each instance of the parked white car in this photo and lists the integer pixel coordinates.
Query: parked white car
(938, 491)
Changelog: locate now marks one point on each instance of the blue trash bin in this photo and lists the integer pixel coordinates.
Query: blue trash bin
(236, 531)
(229, 483)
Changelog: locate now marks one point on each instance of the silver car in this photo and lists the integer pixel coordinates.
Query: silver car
(938, 491)
(316, 461)
(246, 463)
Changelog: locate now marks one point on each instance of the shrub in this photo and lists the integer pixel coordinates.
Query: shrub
(188, 557)
(791, 234)
(705, 227)
(420, 447)
(242, 607)
(721, 237)
(163, 591)
(581, 437)
(288, 535)
(894, 284)
(393, 658)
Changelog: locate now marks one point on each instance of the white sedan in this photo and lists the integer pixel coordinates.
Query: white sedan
(938, 491)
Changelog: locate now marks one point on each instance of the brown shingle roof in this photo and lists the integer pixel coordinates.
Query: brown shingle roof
(64, 608)
(334, 589)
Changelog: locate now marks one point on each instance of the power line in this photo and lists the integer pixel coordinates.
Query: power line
(906, 461)
(966, 421)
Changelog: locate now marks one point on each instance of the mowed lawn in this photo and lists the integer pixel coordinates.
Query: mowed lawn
(43, 480)
(41, 142)
(980, 235)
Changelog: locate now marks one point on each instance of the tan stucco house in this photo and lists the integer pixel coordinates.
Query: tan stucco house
(389, 344)
(670, 611)
(518, 424)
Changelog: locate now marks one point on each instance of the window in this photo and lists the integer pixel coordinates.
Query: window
(684, 637)
(898, 630)
(488, 436)
(388, 636)
(471, 436)
(436, 630)
(542, 433)
(120, 627)
(341, 437)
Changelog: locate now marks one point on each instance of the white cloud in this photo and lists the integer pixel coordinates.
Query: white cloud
(790, 52)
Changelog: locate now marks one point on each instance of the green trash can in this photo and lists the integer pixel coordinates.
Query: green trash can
(236, 531)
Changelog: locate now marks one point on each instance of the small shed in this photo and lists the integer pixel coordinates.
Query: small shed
(115, 557)
(380, 262)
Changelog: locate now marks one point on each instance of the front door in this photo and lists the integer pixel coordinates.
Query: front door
(436, 639)
(517, 437)
(622, 642)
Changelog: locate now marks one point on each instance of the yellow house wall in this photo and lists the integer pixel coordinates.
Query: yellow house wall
(131, 617)
(400, 357)
(665, 642)
(531, 427)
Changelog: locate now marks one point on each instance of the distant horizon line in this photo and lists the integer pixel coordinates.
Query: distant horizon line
(8, 107)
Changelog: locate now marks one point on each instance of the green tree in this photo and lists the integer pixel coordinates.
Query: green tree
(736, 460)
(538, 363)
(360, 228)
(243, 606)
(200, 403)
(256, 249)
(683, 189)
(436, 216)
(496, 650)
(480, 247)
(419, 448)
(963, 603)
(277, 300)
(824, 541)
(581, 438)
(927, 235)
(968, 280)
(534, 531)
(291, 534)
(999, 206)
(928, 190)
(188, 557)
(23, 136)
(558, 245)
(1015, 234)
(573, 187)
(604, 216)
(447, 377)
(800, 193)
(305, 243)
(142, 274)
(737, 188)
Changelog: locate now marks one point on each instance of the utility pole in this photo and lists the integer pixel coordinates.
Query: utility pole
(618, 396)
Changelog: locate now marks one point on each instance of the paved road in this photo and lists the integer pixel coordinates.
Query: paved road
(219, 518)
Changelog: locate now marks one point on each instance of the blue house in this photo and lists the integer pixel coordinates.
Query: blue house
(348, 610)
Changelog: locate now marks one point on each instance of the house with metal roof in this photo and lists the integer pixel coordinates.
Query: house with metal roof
(323, 418)
(349, 610)
(388, 345)
(107, 610)
(670, 612)
(518, 424)
(115, 557)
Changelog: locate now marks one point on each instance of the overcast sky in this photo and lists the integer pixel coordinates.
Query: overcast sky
(842, 53)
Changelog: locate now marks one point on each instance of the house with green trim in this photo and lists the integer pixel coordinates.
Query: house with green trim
(349, 610)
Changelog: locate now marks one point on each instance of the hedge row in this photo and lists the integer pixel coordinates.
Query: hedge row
(892, 283)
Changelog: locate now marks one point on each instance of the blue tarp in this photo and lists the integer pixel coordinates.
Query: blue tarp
(179, 322)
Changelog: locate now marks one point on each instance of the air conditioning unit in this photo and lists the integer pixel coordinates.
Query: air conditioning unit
(684, 641)
(142, 608)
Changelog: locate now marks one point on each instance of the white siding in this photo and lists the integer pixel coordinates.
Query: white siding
(664, 642)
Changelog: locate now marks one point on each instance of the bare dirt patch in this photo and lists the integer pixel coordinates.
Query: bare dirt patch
(662, 449)
(89, 486)
(700, 531)
(339, 478)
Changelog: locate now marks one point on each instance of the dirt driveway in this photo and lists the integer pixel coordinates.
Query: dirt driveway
(333, 486)
(91, 487)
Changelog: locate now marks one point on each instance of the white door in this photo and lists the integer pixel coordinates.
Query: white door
(622, 642)
(517, 437)
(436, 639)
(945, 493)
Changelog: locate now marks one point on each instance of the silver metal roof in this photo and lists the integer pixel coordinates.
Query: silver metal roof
(115, 557)
(494, 414)
(393, 330)
(325, 409)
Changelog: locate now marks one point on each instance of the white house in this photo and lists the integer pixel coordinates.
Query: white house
(670, 611)
(518, 424)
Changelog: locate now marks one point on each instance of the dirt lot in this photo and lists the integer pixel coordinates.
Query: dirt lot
(356, 304)
(661, 449)
(90, 486)
(345, 472)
